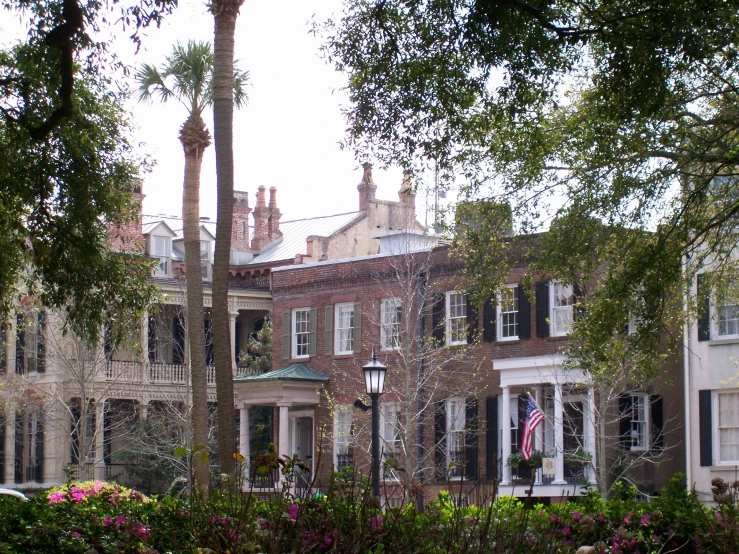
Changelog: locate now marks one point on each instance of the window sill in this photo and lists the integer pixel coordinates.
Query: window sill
(728, 340)
(299, 360)
(456, 344)
(508, 339)
(342, 356)
(725, 466)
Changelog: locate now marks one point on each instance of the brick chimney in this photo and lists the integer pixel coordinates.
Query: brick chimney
(128, 236)
(406, 194)
(366, 188)
(240, 229)
(273, 227)
(261, 221)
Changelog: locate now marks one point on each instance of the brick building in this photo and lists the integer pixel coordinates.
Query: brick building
(480, 365)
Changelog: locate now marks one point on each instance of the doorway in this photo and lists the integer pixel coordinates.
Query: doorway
(302, 446)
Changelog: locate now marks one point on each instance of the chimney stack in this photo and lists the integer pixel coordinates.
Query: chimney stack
(128, 236)
(261, 221)
(406, 194)
(240, 228)
(366, 188)
(273, 227)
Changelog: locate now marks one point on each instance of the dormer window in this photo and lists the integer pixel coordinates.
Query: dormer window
(160, 249)
(205, 258)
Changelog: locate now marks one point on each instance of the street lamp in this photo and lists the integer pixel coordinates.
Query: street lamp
(374, 380)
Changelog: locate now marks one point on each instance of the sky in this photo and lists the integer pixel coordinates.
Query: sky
(288, 136)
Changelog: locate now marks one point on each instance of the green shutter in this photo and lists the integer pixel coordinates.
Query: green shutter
(329, 331)
(286, 335)
(357, 327)
(312, 329)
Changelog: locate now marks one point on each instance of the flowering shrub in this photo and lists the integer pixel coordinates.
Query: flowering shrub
(108, 518)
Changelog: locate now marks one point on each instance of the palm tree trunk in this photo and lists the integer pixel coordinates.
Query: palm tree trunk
(226, 12)
(194, 138)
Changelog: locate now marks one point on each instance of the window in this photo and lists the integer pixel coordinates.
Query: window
(508, 313)
(390, 313)
(205, 258)
(160, 249)
(563, 300)
(728, 318)
(390, 430)
(514, 424)
(344, 328)
(343, 436)
(301, 333)
(456, 321)
(728, 426)
(639, 422)
(455, 424)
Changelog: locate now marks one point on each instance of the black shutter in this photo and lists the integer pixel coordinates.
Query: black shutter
(178, 341)
(152, 340)
(470, 439)
(522, 405)
(108, 341)
(658, 422)
(704, 308)
(542, 309)
(578, 310)
(2, 448)
(491, 437)
(624, 423)
(489, 320)
(472, 323)
(237, 344)
(524, 313)
(705, 427)
(20, 435)
(20, 344)
(3, 347)
(39, 461)
(41, 342)
(440, 440)
(437, 317)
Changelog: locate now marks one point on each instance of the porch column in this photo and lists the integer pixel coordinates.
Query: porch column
(244, 440)
(505, 429)
(143, 410)
(539, 433)
(232, 326)
(283, 446)
(590, 434)
(144, 335)
(559, 465)
(9, 443)
(99, 468)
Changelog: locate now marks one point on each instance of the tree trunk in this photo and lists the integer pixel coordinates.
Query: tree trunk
(223, 108)
(195, 139)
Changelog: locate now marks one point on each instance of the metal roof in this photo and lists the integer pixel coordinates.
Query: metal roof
(292, 372)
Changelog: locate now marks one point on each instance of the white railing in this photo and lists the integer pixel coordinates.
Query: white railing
(211, 374)
(167, 373)
(129, 372)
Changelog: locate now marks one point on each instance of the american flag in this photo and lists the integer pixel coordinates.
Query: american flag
(534, 417)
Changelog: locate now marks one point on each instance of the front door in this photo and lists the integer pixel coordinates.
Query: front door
(304, 448)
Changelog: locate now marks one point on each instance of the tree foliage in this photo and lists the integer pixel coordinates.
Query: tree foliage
(611, 121)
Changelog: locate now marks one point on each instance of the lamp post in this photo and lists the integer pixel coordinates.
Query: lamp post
(374, 380)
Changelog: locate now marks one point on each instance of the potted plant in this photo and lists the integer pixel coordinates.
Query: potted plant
(516, 460)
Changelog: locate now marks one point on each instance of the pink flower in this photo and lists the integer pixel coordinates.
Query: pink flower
(645, 519)
(601, 518)
(575, 515)
(554, 518)
(140, 530)
(566, 531)
(108, 521)
(76, 533)
(376, 523)
(293, 511)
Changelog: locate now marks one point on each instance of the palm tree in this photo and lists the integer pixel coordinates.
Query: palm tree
(187, 77)
(225, 13)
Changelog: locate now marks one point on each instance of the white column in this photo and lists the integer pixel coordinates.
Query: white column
(590, 434)
(244, 439)
(232, 327)
(559, 466)
(539, 433)
(99, 468)
(9, 444)
(505, 429)
(283, 448)
(144, 335)
(10, 345)
(143, 410)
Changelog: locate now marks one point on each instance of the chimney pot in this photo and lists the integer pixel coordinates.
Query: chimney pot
(272, 197)
(261, 201)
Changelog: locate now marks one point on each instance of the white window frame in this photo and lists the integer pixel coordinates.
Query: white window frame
(554, 331)
(716, 401)
(163, 258)
(500, 324)
(640, 422)
(456, 426)
(716, 312)
(454, 321)
(295, 333)
(343, 334)
(390, 427)
(513, 414)
(343, 431)
(390, 329)
(205, 261)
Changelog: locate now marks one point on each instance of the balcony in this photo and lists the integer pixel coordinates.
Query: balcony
(168, 373)
(129, 372)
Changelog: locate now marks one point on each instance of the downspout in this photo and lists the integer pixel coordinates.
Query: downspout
(686, 380)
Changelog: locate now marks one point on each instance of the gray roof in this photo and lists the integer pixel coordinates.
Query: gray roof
(295, 233)
(292, 372)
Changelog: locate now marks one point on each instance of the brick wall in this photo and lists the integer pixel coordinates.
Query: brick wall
(128, 236)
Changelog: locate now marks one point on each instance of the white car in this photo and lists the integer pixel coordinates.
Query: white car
(16, 494)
